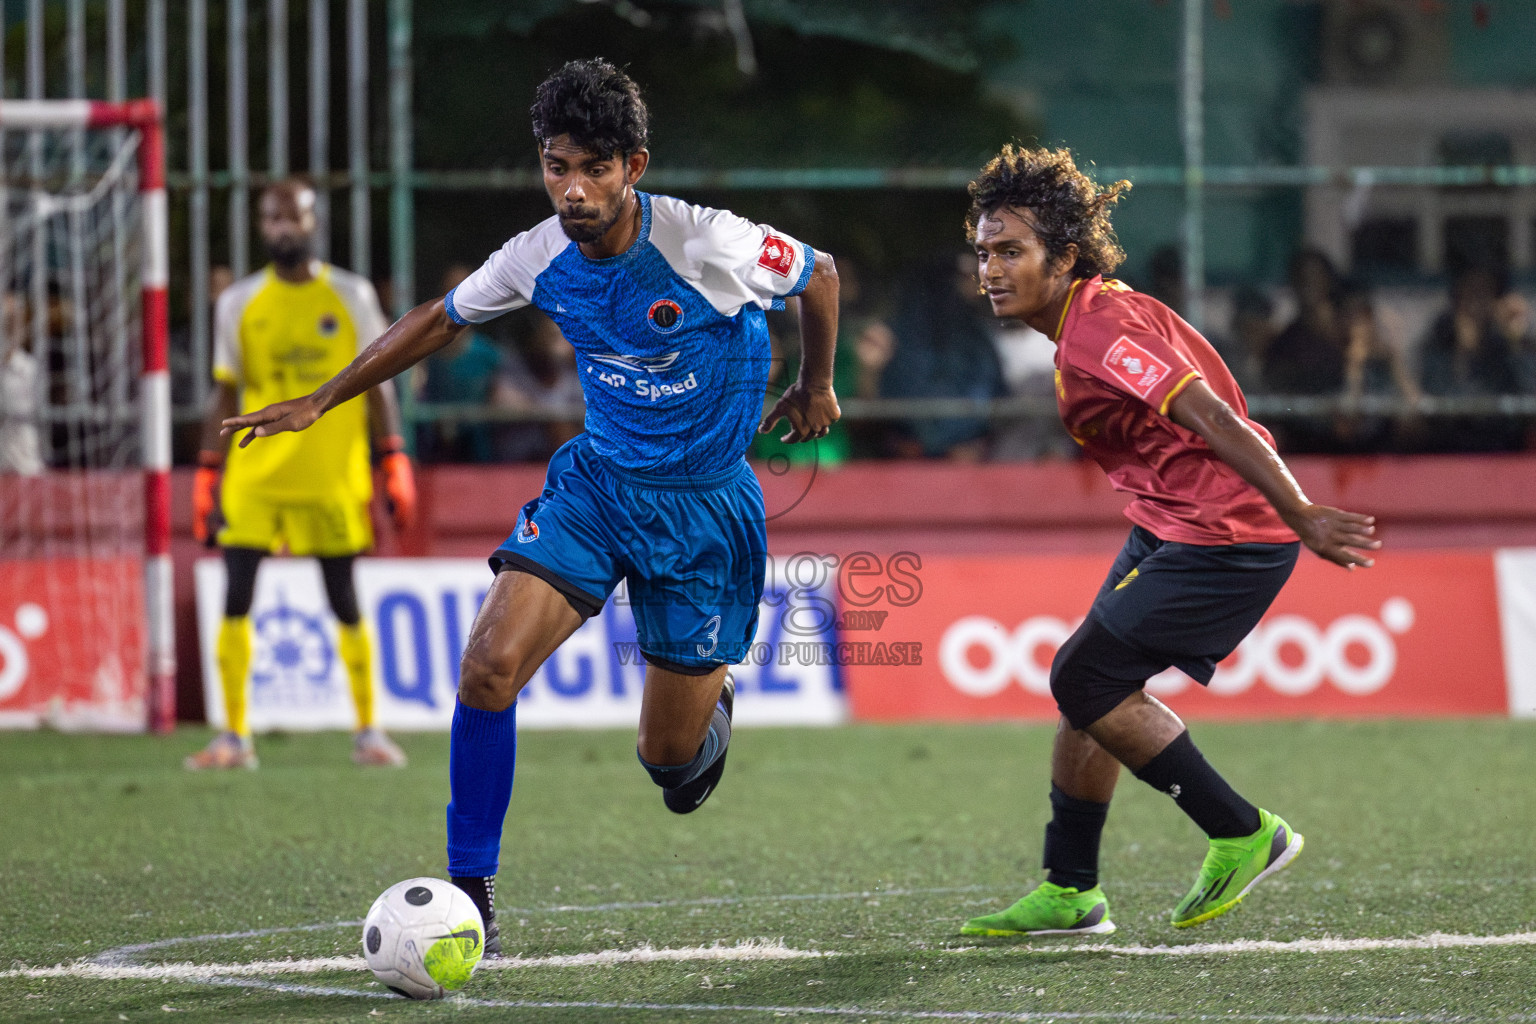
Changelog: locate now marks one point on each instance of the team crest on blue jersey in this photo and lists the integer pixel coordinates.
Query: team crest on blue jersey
(529, 533)
(329, 325)
(665, 316)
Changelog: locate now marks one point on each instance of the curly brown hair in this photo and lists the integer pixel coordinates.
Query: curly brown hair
(1069, 207)
(594, 103)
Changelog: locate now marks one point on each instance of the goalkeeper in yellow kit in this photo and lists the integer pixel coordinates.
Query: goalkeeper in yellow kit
(278, 334)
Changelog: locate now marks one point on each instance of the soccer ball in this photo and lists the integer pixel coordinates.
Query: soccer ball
(423, 937)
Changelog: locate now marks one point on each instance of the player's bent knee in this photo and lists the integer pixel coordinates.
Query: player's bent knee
(666, 748)
(1093, 673)
(489, 684)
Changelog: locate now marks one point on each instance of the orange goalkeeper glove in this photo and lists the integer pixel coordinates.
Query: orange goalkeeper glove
(205, 496)
(399, 481)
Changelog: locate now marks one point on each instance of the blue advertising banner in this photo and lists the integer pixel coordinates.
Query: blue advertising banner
(420, 611)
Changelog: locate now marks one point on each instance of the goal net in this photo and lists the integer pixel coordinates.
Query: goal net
(84, 433)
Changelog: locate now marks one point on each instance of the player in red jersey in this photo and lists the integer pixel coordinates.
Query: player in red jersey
(1216, 515)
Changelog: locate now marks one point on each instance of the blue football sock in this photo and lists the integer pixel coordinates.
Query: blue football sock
(673, 775)
(482, 754)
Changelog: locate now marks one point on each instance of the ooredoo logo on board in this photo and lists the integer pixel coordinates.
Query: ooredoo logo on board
(1417, 635)
(1290, 654)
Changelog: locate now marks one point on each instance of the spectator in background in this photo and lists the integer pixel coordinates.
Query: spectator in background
(875, 346)
(1307, 357)
(20, 444)
(187, 437)
(1477, 348)
(465, 371)
(540, 376)
(1166, 270)
(865, 345)
(831, 450)
(66, 379)
(220, 277)
(1512, 314)
(1251, 334)
(1375, 366)
(1029, 368)
(943, 349)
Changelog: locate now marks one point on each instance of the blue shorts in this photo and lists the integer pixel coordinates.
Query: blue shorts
(1189, 605)
(694, 550)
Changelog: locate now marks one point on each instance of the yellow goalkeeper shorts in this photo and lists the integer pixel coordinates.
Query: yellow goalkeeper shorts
(320, 529)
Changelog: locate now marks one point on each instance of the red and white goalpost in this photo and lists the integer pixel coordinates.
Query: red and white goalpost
(86, 626)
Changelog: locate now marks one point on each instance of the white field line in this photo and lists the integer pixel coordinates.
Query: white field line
(122, 955)
(737, 1010)
(1434, 940)
(750, 949)
(125, 955)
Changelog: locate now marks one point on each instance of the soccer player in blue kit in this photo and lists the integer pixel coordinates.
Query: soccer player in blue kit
(664, 303)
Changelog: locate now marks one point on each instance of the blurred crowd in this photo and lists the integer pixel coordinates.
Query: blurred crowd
(519, 363)
(1342, 340)
(1355, 363)
(1332, 366)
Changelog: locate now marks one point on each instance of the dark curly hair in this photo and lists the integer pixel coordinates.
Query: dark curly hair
(1069, 207)
(594, 103)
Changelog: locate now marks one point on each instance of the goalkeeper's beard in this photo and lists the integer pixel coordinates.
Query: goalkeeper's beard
(291, 253)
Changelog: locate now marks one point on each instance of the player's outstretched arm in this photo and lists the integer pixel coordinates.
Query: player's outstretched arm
(1339, 536)
(411, 339)
(809, 403)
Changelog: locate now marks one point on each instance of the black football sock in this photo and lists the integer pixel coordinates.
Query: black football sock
(482, 891)
(1183, 773)
(1072, 841)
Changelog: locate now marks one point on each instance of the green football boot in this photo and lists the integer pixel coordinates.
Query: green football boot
(1233, 866)
(1049, 910)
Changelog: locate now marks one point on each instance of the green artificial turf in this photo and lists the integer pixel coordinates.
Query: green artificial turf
(869, 845)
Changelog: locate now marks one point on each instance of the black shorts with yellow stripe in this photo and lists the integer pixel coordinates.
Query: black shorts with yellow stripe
(1164, 604)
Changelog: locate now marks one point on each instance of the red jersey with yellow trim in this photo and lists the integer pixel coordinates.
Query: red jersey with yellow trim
(1121, 358)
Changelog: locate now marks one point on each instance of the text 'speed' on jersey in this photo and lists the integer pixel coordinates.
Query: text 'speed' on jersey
(670, 335)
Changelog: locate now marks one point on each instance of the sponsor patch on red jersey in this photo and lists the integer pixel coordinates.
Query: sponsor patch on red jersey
(1134, 366)
(777, 255)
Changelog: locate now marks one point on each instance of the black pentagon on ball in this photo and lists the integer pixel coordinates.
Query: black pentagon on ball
(665, 315)
(375, 939)
(418, 895)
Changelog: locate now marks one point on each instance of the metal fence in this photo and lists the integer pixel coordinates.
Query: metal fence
(176, 37)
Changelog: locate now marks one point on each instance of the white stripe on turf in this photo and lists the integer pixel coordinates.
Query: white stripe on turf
(752, 949)
(749, 949)
(737, 1010)
(1434, 940)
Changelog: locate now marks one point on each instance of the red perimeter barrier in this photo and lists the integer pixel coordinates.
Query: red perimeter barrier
(1417, 635)
(72, 643)
(940, 510)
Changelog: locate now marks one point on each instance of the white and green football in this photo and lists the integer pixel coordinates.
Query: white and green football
(423, 938)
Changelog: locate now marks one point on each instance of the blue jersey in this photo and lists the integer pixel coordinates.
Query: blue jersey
(670, 336)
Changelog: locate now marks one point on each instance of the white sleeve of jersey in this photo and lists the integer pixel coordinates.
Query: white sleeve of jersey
(363, 305)
(227, 363)
(732, 261)
(505, 281)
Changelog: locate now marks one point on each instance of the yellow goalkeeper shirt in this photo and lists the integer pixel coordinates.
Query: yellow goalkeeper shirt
(275, 340)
